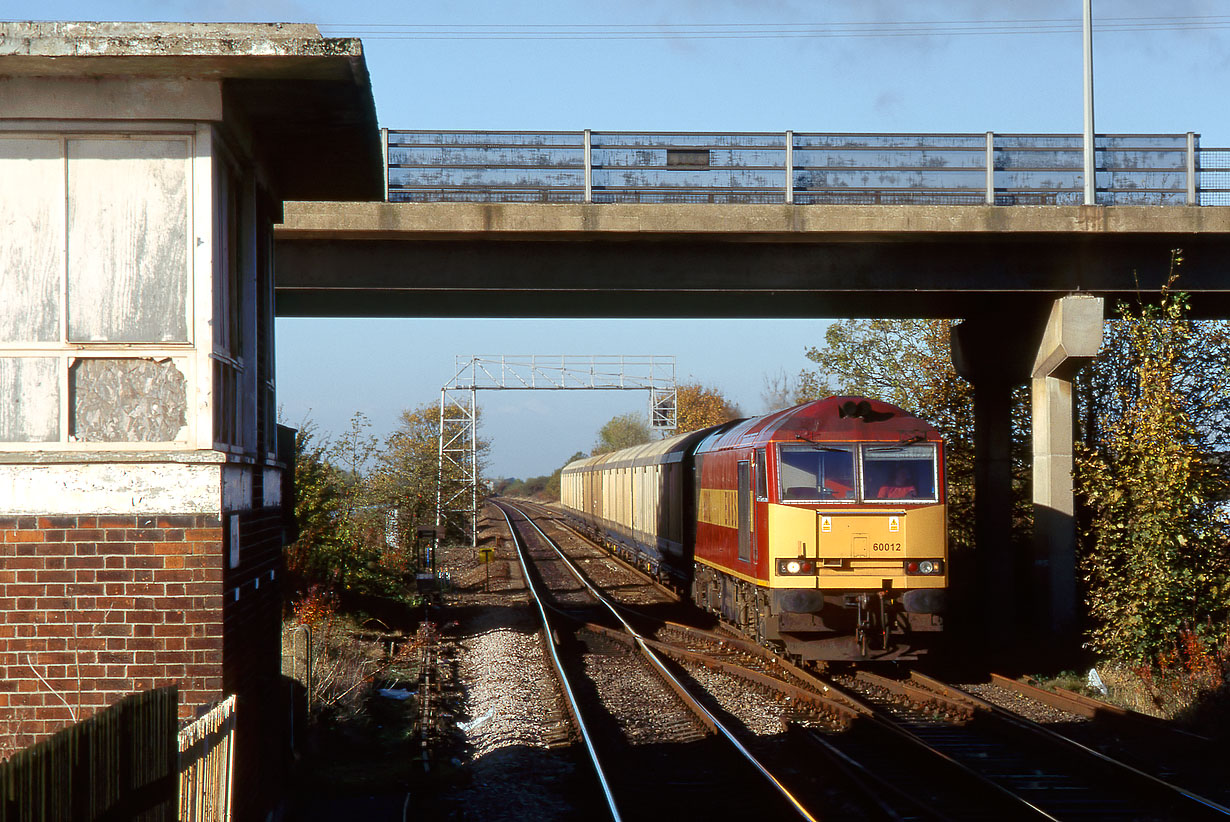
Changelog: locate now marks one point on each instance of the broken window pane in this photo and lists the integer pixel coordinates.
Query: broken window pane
(128, 240)
(127, 400)
(30, 411)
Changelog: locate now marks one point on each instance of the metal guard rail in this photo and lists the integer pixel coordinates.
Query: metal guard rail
(752, 167)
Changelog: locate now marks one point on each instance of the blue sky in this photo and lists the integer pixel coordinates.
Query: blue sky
(674, 65)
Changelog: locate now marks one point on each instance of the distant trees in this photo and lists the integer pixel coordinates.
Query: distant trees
(546, 487)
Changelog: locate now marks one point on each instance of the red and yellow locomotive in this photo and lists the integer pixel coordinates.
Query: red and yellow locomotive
(820, 529)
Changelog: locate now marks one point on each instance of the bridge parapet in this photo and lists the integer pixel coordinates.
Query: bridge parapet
(800, 168)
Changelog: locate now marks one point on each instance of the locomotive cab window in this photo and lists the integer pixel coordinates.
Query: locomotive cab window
(899, 473)
(811, 473)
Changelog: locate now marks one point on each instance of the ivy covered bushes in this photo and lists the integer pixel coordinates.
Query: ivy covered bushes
(1156, 543)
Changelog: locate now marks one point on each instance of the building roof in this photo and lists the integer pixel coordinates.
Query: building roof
(306, 98)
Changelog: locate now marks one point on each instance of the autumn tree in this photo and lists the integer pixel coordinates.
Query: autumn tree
(700, 406)
(407, 468)
(1156, 546)
(908, 363)
(622, 431)
(319, 554)
(338, 546)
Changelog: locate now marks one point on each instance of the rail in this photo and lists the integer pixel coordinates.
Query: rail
(708, 718)
(799, 168)
(560, 673)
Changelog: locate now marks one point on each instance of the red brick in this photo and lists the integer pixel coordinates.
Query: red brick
(23, 536)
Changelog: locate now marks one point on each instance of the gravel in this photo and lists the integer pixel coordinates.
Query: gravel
(511, 697)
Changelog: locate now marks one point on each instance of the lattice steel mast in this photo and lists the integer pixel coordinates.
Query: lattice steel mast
(458, 441)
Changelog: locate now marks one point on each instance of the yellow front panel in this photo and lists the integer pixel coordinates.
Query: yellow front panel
(862, 547)
(862, 534)
(792, 533)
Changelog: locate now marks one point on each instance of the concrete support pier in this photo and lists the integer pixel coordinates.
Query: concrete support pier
(1073, 336)
(1045, 344)
(994, 351)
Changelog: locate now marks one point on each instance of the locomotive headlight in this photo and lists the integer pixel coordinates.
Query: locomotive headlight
(794, 567)
(930, 567)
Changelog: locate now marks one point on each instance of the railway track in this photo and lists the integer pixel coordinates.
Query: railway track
(1007, 766)
(922, 749)
(639, 768)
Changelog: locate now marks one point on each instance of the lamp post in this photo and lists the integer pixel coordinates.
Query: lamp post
(1091, 192)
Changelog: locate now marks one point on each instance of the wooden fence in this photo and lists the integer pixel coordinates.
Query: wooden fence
(119, 764)
(206, 754)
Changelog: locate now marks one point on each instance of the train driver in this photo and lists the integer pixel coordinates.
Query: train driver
(901, 487)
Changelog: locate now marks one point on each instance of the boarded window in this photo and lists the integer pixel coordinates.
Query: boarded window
(31, 239)
(127, 400)
(30, 411)
(128, 240)
(687, 157)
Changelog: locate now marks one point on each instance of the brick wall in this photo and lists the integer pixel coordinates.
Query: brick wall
(96, 607)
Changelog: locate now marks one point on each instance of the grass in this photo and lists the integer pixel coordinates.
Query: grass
(1189, 685)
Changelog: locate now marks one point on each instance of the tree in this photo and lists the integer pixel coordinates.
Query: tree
(323, 552)
(407, 469)
(700, 406)
(622, 431)
(780, 391)
(1156, 546)
(908, 363)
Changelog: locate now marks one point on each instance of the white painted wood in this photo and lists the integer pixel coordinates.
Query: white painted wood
(128, 273)
(237, 488)
(110, 488)
(30, 388)
(111, 98)
(31, 238)
(272, 487)
(201, 422)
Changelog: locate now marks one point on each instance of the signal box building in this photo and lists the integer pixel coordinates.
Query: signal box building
(142, 514)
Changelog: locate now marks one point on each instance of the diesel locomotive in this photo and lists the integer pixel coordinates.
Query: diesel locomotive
(819, 530)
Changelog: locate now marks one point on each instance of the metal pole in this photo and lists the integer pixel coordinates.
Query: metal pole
(1091, 194)
(384, 140)
(589, 168)
(1192, 198)
(473, 466)
(990, 168)
(435, 540)
(789, 167)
